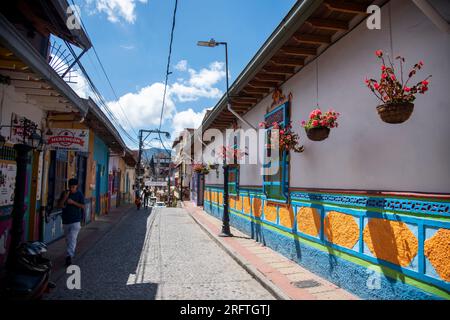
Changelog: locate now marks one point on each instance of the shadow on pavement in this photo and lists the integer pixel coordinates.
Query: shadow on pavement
(108, 270)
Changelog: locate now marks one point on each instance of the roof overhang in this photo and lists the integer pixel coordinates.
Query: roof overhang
(32, 75)
(310, 27)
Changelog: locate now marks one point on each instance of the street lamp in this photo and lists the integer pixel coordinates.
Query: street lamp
(226, 216)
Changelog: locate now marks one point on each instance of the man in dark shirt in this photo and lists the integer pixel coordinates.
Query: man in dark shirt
(72, 203)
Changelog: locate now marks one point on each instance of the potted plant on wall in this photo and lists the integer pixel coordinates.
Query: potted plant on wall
(318, 125)
(288, 139)
(200, 168)
(396, 95)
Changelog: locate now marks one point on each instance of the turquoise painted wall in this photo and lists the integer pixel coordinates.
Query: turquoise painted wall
(101, 156)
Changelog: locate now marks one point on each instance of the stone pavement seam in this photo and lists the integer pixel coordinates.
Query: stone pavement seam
(255, 273)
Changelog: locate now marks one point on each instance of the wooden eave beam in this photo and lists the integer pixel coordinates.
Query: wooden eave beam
(286, 61)
(263, 84)
(312, 38)
(346, 6)
(269, 77)
(328, 24)
(279, 70)
(256, 90)
(300, 51)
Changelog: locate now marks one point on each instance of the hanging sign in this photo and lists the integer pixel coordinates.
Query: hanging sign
(68, 139)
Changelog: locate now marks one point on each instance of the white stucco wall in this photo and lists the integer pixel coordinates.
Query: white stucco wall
(364, 152)
(14, 102)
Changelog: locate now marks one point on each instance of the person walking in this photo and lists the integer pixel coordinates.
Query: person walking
(72, 203)
(146, 196)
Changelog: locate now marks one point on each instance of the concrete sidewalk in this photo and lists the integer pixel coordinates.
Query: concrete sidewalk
(89, 235)
(277, 273)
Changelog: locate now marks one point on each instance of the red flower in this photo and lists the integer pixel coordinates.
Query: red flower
(379, 53)
(425, 82)
(315, 123)
(383, 68)
(407, 89)
(262, 124)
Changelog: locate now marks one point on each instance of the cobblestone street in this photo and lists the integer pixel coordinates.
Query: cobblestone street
(159, 255)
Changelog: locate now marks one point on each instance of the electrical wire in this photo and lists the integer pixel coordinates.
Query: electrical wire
(168, 64)
(107, 78)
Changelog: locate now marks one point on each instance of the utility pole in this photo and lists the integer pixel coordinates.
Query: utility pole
(141, 144)
(138, 184)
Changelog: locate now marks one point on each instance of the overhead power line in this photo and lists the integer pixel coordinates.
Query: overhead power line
(168, 63)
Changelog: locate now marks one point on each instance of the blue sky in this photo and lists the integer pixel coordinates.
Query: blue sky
(132, 40)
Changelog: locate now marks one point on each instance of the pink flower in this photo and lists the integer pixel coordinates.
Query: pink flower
(376, 86)
(393, 77)
(383, 68)
(262, 124)
(425, 82)
(323, 123)
(407, 89)
(303, 123)
(384, 76)
(379, 53)
(315, 123)
(281, 131)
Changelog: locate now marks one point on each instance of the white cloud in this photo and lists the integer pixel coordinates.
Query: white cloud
(187, 119)
(181, 65)
(116, 10)
(200, 84)
(205, 78)
(127, 47)
(143, 108)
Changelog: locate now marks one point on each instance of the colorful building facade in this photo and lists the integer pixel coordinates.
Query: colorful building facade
(368, 208)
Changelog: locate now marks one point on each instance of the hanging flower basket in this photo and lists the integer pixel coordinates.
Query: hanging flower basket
(395, 112)
(318, 126)
(395, 93)
(317, 134)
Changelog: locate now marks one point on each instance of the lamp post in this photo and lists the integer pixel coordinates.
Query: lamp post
(226, 216)
(30, 140)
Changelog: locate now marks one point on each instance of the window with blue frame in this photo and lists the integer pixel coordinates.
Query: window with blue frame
(233, 171)
(276, 186)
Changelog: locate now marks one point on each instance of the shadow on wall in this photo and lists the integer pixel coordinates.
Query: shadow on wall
(256, 228)
(390, 241)
(118, 266)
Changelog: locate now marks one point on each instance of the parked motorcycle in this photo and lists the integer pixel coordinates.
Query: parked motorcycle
(29, 274)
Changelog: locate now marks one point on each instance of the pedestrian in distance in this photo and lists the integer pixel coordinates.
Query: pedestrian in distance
(72, 203)
(137, 201)
(146, 196)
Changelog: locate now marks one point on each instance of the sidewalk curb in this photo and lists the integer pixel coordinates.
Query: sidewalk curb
(254, 272)
(59, 274)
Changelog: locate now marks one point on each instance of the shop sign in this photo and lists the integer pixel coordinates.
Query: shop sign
(68, 139)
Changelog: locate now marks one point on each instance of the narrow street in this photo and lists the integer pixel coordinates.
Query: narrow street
(159, 255)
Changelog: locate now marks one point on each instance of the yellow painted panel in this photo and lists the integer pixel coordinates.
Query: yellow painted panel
(257, 207)
(437, 250)
(286, 216)
(246, 203)
(341, 229)
(270, 212)
(308, 221)
(391, 241)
